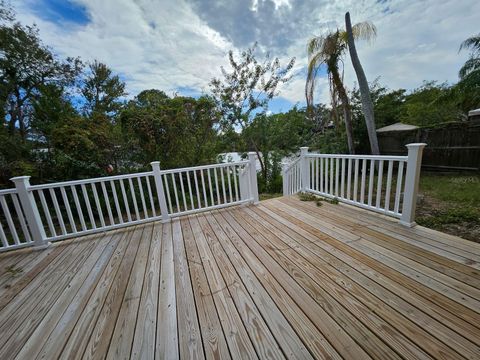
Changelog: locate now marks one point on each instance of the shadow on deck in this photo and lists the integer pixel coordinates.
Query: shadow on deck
(284, 279)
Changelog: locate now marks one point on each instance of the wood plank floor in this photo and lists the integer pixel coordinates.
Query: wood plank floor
(283, 279)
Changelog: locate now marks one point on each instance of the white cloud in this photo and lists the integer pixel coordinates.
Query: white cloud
(178, 44)
(153, 45)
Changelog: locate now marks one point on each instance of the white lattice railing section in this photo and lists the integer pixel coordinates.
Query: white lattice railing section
(38, 214)
(385, 184)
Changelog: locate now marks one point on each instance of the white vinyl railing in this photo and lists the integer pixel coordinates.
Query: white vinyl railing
(385, 184)
(292, 177)
(38, 214)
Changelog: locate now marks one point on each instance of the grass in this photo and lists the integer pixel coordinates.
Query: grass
(450, 203)
(266, 196)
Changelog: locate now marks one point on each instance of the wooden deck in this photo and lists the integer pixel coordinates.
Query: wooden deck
(284, 279)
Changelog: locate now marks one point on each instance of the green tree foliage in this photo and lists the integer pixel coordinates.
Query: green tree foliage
(247, 90)
(468, 88)
(26, 65)
(276, 136)
(178, 131)
(102, 91)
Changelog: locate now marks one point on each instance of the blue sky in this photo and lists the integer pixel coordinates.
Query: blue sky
(178, 46)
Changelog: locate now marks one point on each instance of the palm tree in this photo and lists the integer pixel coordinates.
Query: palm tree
(473, 63)
(363, 30)
(328, 50)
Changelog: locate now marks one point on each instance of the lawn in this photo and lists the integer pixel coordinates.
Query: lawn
(450, 203)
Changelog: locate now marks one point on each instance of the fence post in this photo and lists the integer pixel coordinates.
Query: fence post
(253, 177)
(285, 178)
(304, 173)
(30, 210)
(160, 191)
(412, 178)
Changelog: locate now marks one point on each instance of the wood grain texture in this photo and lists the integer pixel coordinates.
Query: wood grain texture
(283, 279)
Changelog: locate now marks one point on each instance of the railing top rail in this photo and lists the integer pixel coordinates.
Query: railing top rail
(291, 164)
(89, 181)
(8, 191)
(203, 167)
(369, 157)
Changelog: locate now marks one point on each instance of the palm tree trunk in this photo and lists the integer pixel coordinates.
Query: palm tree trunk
(346, 109)
(367, 104)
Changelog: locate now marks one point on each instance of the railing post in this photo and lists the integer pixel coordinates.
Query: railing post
(285, 178)
(412, 178)
(253, 177)
(32, 215)
(160, 192)
(304, 173)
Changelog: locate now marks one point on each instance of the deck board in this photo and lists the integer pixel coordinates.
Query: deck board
(282, 279)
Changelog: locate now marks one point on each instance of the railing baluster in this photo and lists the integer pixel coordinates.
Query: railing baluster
(362, 185)
(399, 186)
(8, 217)
(87, 204)
(222, 170)
(342, 185)
(78, 207)
(229, 184)
(235, 185)
(134, 198)
(349, 178)
(199, 200)
(316, 174)
(355, 181)
(46, 211)
(175, 193)
(370, 182)
(203, 188)
(73, 226)
(379, 184)
(107, 203)
(326, 176)
(321, 176)
(142, 198)
(152, 202)
(190, 189)
(115, 199)
(337, 171)
(212, 199)
(57, 211)
(331, 176)
(167, 191)
(125, 200)
(217, 190)
(183, 191)
(97, 204)
(389, 185)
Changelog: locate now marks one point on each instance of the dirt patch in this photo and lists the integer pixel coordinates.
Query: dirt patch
(448, 218)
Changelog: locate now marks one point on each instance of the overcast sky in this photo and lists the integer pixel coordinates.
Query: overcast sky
(179, 45)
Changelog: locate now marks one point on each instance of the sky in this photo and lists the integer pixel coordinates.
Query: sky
(178, 46)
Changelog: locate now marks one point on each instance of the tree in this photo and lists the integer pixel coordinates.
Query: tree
(275, 136)
(247, 90)
(25, 66)
(468, 88)
(328, 50)
(102, 91)
(178, 131)
(364, 30)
